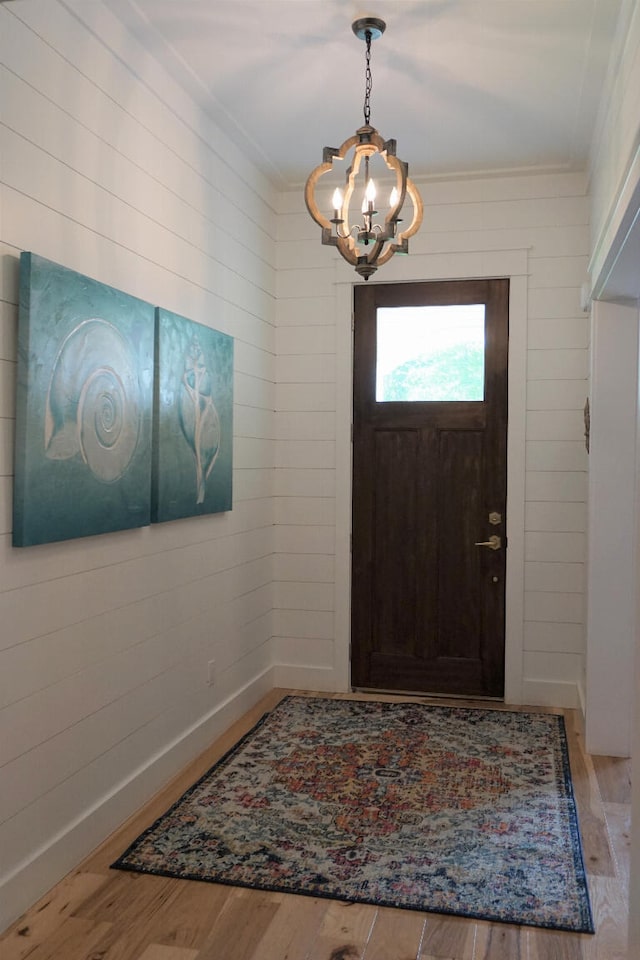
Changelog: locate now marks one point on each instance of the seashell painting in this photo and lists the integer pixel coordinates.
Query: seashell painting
(198, 415)
(93, 403)
(193, 419)
(84, 406)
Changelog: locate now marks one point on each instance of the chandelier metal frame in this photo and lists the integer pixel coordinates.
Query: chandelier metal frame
(367, 245)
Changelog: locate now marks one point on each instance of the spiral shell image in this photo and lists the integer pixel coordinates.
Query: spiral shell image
(93, 406)
(199, 420)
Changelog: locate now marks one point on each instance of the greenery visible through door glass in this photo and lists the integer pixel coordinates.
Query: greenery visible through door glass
(430, 353)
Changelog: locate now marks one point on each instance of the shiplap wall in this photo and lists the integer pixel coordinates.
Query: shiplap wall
(109, 169)
(470, 228)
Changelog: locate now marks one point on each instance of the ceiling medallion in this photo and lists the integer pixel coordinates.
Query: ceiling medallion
(373, 241)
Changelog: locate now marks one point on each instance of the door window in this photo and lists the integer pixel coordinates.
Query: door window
(430, 353)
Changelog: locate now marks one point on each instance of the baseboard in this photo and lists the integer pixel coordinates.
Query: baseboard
(297, 677)
(541, 693)
(550, 693)
(582, 709)
(64, 851)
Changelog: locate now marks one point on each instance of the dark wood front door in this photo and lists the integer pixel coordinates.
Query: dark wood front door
(429, 487)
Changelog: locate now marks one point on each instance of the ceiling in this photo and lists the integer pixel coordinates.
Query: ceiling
(464, 86)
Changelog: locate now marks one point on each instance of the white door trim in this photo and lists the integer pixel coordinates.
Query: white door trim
(509, 263)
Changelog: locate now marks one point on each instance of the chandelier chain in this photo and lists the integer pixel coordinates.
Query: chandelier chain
(368, 81)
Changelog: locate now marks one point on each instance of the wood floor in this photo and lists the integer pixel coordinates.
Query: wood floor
(102, 914)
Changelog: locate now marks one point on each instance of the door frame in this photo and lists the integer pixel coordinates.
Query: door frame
(511, 264)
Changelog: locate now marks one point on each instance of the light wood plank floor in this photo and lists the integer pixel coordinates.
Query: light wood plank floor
(102, 914)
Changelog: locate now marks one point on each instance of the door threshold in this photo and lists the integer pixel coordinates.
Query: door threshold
(426, 696)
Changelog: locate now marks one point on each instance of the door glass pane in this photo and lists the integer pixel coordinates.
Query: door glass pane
(430, 353)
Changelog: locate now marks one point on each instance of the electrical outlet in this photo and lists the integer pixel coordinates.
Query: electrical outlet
(211, 674)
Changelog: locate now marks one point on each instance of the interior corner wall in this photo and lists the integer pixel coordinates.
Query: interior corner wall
(109, 169)
(615, 190)
(535, 229)
(634, 879)
(612, 570)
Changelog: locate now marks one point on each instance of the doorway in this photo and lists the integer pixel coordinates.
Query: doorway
(429, 487)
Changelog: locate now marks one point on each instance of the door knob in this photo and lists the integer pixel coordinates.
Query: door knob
(493, 543)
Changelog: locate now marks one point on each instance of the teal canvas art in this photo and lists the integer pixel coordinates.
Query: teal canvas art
(84, 405)
(193, 419)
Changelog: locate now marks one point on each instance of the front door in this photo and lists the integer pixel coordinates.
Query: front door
(429, 487)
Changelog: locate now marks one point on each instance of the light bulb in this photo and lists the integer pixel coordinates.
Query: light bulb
(393, 199)
(370, 192)
(337, 199)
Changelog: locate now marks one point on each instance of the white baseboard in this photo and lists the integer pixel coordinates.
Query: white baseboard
(582, 706)
(541, 693)
(550, 693)
(63, 852)
(297, 677)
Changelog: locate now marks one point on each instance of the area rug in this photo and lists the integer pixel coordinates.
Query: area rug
(440, 809)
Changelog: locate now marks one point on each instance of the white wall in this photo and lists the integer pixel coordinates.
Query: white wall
(536, 230)
(109, 169)
(615, 153)
(615, 188)
(612, 572)
(634, 879)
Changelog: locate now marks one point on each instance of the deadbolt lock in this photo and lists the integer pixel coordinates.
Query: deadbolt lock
(495, 518)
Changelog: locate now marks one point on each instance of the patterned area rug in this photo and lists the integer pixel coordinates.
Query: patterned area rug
(451, 810)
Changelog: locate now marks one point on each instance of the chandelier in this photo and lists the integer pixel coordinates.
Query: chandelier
(374, 240)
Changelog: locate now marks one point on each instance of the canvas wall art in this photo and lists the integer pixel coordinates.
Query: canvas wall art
(84, 406)
(193, 419)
